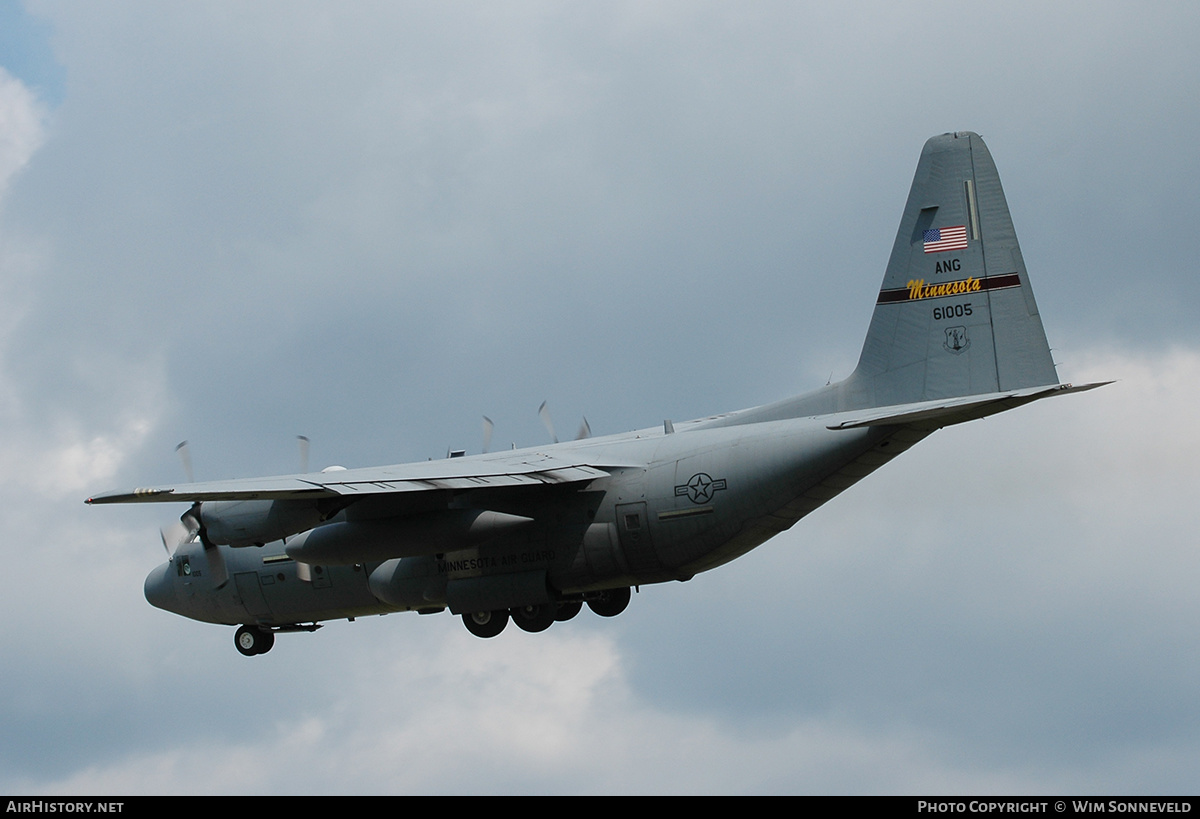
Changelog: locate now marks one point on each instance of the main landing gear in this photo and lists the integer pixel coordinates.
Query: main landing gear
(608, 603)
(486, 623)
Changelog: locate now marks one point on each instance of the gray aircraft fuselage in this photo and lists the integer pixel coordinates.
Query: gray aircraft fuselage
(681, 503)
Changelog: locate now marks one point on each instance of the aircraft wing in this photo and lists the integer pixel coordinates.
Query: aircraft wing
(525, 469)
(954, 410)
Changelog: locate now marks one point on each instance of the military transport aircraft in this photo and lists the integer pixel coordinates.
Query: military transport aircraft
(531, 535)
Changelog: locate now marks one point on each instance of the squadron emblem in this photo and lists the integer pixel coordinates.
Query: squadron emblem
(956, 340)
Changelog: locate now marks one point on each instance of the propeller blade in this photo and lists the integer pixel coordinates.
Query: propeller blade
(488, 426)
(303, 453)
(185, 456)
(173, 537)
(216, 565)
(585, 430)
(545, 413)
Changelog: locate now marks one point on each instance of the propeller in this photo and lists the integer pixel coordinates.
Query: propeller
(585, 429)
(488, 426)
(183, 531)
(188, 528)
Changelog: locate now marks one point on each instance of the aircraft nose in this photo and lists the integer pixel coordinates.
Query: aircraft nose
(160, 590)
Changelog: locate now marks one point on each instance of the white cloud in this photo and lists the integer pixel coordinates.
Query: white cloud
(52, 453)
(22, 126)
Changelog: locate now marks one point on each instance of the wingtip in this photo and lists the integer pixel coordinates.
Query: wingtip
(137, 495)
(1085, 387)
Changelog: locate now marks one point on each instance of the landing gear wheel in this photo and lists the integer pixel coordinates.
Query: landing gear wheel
(568, 610)
(252, 640)
(534, 618)
(485, 623)
(611, 602)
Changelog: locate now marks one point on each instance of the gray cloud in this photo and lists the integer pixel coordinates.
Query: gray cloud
(374, 223)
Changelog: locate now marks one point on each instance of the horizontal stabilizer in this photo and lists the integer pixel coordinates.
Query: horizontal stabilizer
(954, 411)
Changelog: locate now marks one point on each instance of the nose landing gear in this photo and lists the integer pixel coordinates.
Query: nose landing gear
(252, 640)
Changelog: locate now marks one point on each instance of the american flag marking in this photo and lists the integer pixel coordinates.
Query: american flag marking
(947, 238)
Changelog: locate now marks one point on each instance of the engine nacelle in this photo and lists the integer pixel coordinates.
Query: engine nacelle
(255, 522)
(369, 541)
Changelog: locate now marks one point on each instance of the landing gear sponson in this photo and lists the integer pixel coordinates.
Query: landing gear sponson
(608, 603)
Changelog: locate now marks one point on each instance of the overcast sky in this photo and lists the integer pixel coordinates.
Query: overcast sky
(373, 223)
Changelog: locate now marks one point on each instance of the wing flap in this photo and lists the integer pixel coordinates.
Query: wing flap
(540, 477)
(420, 477)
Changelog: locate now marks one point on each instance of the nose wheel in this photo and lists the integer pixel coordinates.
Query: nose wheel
(252, 640)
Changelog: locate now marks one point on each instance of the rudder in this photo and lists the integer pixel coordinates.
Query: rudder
(955, 315)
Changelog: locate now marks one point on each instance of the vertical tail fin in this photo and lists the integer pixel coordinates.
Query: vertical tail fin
(956, 315)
